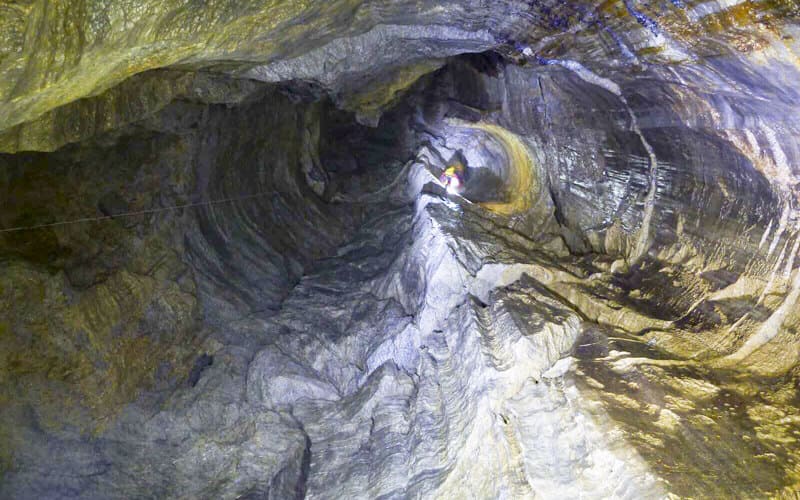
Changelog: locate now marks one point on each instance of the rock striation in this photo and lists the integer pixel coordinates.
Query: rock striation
(228, 268)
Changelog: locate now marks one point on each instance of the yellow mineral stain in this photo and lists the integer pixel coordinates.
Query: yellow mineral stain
(521, 181)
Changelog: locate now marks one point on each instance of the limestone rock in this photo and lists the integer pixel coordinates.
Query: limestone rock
(230, 267)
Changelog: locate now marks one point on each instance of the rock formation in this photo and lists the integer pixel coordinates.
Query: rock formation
(229, 269)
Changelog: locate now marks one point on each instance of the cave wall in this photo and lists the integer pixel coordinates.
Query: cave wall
(598, 171)
(296, 307)
(691, 241)
(98, 311)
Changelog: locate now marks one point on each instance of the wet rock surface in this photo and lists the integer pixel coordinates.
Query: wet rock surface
(228, 268)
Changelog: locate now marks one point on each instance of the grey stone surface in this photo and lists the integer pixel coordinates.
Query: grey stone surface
(274, 296)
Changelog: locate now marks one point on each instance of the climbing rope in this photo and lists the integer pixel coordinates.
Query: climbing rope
(133, 213)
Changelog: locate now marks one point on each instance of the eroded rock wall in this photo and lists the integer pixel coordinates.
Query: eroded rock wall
(198, 215)
(260, 289)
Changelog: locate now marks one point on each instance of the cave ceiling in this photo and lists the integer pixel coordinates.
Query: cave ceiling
(430, 249)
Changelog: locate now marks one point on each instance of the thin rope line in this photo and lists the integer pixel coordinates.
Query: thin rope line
(133, 213)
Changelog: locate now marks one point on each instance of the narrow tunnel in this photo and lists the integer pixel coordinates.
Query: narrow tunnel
(384, 250)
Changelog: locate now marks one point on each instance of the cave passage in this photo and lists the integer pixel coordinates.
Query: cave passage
(376, 250)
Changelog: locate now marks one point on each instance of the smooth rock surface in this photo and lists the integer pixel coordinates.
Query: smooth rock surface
(228, 267)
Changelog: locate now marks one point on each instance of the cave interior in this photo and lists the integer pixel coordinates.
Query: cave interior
(230, 268)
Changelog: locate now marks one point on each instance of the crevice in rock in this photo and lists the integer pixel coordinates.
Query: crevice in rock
(351, 322)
